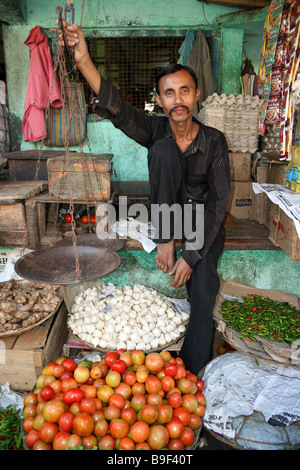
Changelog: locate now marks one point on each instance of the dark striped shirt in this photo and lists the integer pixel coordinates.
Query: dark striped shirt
(207, 178)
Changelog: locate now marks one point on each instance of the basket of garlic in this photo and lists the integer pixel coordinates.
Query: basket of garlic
(107, 318)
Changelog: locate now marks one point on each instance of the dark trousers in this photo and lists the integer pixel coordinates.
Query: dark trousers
(167, 167)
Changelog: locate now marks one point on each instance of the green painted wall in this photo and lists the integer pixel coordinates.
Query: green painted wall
(268, 269)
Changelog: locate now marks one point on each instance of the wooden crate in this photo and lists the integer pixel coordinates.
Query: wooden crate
(23, 164)
(23, 357)
(86, 176)
(13, 213)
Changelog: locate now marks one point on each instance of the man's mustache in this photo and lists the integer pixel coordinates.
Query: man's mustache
(176, 107)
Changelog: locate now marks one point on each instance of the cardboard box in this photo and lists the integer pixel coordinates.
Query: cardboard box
(273, 173)
(240, 166)
(23, 357)
(242, 201)
(262, 208)
(84, 176)
(283, 232)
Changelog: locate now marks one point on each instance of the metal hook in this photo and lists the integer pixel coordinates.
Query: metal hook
(70, 9)
(69, 50)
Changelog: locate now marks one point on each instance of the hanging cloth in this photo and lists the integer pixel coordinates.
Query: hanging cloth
(200, 61)
(186, 47)
(41, 84)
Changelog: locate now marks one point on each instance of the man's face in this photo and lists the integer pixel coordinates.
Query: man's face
(178, 95)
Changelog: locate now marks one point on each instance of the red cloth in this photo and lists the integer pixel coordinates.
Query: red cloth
(39, 86)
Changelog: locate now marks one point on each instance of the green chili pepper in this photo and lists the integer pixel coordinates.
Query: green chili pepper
(10, 429)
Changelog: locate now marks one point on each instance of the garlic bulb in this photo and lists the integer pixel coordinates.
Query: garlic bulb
(135, 317)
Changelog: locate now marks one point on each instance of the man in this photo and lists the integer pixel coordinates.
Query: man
(188, 164)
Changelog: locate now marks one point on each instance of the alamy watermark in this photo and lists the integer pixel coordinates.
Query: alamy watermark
(183, 222)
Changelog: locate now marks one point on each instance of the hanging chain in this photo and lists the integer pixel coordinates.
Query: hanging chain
(69, 114)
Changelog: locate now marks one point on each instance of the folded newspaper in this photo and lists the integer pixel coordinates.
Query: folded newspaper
(287, 200)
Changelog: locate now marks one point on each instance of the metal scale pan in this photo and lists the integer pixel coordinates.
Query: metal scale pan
(56, 264)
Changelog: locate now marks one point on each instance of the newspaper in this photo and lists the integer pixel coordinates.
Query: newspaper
(287, 200)
(237, 385)
(137, 230)
(8, 261)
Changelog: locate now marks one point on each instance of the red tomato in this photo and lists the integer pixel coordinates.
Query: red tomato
(187, 436)
(158, 437)
(84, 219)
(28, 425)
(171, 370)
(58, 370)
(89, 442)
(119, 366)
(175, 427)
(129, 415)
(60, 440)
(121, 350)
(68, 384)
(183, 414)
(107, 442)
(129, 377)
(175, 399)
(139, 431)
(53, 410)
(126, 444)
(29, 411)
(69, 364)
(65, 421)
(117, 400)
(118, 428)
(30, 399)
(68, 218)
(101, 428)
(200, 385)
(32, 437)
(110, 358)
(47, 393)
(48, 431)
(175, 444)
(83, 424)
(74, 395)
(93, 219)
(41, 445)
(88, 405)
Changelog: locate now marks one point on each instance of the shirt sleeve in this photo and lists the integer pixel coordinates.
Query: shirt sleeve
(215, 208)
(132, 121)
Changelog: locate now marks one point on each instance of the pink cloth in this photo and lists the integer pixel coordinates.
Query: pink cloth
(39, 86)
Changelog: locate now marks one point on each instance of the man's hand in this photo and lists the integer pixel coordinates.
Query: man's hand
(75, 38)
(181, 272)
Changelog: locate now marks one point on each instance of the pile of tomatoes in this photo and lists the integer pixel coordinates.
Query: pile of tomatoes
(128, 400)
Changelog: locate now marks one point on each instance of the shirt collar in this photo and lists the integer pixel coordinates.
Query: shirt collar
(199, 141)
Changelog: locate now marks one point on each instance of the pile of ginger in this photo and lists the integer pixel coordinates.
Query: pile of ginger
(24, 303)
